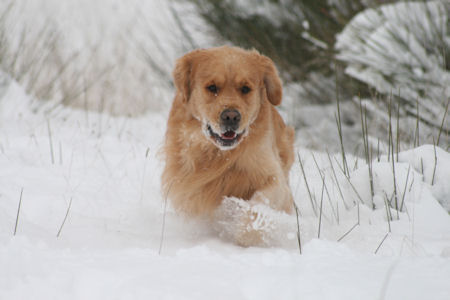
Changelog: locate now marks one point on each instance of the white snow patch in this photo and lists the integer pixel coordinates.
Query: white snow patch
(108, 247)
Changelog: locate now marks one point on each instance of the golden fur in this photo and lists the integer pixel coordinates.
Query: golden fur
(198, 174)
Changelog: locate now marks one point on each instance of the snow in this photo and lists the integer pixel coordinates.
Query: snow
(113, 244)
(120, 241)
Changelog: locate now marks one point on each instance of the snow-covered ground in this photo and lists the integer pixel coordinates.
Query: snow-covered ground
(92, 222)
(103, 172)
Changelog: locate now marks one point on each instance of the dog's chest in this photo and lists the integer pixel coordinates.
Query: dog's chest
(243, 176)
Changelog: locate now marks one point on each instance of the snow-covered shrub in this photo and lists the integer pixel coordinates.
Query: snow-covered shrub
(403, 49)
(300, 36)
(102, 55)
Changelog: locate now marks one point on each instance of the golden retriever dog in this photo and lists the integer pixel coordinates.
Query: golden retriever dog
(225, 137)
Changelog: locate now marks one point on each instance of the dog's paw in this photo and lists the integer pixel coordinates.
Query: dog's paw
(248, 223)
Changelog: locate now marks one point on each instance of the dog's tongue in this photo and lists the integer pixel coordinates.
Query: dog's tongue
(229, 135)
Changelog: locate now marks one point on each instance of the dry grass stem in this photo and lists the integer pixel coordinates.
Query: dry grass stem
(298, 227)
(307, 185)
(381, 243)
(18, 211)
(65, 218)
(350, 230)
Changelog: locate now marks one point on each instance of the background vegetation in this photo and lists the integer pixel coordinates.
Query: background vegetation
(301, 36)
(390, 58)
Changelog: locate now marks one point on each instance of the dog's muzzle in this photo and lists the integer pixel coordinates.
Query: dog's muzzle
(226, 137)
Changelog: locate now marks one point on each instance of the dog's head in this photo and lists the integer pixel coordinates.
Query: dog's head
(224, 89)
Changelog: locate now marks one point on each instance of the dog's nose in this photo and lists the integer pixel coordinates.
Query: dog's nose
(230, 118)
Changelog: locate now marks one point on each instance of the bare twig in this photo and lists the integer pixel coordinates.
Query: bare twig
(442, 123)
(391, 144)
(421, 165)
(322, 176)
(435, 162)
(298, 227)
(337, 181)
(18, 211)
(416, 133)
(350, 230)
(359, 217)
(307, 185)
(321, 204)
(344, 159)
(388, 211)
(397, 149)
(65, 218)
(365, 136)
(339, 126)
(404, 190)
(60, 153)
(50, 142)
(390, 126)
(378, 150)
(381, 243)
(352, 186)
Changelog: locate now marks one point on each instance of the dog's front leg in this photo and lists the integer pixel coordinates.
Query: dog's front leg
(259, 221)
(254, 222)
(277, 195)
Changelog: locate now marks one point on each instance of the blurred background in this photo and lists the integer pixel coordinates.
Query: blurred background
(386, 63)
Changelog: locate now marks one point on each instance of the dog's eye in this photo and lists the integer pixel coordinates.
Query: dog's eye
(212, 88)
(245, 89)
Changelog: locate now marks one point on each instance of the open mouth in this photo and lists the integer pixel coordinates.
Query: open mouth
(227, 139)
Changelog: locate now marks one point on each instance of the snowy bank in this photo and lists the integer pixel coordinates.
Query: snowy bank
(108, 168)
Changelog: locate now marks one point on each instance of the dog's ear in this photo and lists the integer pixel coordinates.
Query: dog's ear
(182, 74)
(272, 81)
